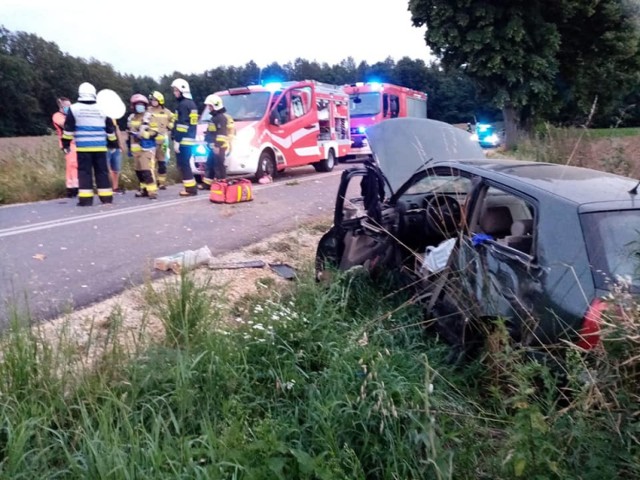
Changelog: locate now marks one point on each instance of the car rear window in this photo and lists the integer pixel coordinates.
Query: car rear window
(613, 245)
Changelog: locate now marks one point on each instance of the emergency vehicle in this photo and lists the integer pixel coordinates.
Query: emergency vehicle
(372, 102)
(288, 124)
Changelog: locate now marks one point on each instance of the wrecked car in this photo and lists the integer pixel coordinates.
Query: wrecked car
(536, 245)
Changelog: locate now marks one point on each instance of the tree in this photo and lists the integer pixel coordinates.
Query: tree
(516, 51)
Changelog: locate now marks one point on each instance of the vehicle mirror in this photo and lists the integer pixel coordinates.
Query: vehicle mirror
(357, 100)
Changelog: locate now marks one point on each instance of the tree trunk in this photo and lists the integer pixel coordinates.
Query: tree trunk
(510, 115)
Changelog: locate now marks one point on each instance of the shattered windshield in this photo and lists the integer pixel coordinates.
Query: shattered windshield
(246, 107)
(402, 146)
(441, 184)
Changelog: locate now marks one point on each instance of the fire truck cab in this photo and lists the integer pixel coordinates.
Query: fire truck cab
(372, 102)
(286, 125)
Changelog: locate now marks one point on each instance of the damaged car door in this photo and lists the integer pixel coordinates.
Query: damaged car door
(494, 272)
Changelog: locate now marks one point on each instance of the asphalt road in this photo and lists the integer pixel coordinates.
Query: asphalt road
(55, 256)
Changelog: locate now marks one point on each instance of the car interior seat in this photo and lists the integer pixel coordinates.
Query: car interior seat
(496, 221)
(521, 237)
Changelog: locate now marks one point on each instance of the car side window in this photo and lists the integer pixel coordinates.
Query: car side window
(507, 218)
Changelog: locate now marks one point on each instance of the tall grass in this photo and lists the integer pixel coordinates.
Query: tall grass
(34, 170)
(313, 382)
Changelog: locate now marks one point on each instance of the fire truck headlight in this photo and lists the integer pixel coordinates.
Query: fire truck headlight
(361, 129)
(243, 140)
(246, 134)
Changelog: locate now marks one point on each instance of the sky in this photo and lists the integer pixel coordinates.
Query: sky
(158, 38)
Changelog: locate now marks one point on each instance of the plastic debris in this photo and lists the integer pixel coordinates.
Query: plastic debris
(183, 260)
(480, 238)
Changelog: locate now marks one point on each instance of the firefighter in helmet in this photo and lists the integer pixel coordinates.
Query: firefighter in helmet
(219, 135)
(184, 134)
(71, 158)
(162, 121)
(142, 146)
(92, 132)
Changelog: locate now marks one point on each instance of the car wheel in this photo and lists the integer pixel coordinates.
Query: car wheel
(266, 165)
(327, 164)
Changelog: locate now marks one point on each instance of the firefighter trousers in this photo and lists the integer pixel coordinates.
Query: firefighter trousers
(144, 165)
(161, 161)
(71, 164)
(215, 166)
(184, 165)
(92, 164)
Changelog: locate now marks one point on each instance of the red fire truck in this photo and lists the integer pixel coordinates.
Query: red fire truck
(286, 125)
(373, 102)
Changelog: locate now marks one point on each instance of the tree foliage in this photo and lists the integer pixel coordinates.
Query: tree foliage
(538, 58)
(469, 81)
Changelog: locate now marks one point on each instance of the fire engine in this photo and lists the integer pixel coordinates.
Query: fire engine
(288, 124)
(372, 102)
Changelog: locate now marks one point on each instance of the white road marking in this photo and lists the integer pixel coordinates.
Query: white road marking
(11, 231)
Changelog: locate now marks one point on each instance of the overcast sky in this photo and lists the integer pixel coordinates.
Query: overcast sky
(142, 38)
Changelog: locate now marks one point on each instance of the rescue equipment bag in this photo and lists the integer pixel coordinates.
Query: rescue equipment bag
(231, 191)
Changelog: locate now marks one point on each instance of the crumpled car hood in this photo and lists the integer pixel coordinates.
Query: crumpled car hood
(402, 146)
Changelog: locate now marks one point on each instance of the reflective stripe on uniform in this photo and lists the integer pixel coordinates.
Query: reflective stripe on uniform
(105, 192)
(189, 183)
(85, 193)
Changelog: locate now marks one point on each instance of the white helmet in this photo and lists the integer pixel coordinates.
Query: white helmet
(183, 87)
(215, 101)
(86, 92)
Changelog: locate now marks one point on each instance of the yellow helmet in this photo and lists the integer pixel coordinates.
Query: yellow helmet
(157, 96)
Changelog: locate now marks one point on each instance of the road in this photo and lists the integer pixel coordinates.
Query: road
(55, 256)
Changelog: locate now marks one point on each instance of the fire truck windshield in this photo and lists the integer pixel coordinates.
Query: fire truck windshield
(364, 104)
(246, 107)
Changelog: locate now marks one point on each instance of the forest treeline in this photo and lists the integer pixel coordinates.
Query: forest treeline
(34, 72)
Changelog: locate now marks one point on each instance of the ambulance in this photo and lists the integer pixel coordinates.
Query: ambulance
(284, 125)
(372, 102)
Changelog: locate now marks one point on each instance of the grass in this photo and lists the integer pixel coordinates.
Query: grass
(314, 382)
(34, 170)
(612, 132)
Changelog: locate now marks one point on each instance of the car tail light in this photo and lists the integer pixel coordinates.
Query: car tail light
(590, 331)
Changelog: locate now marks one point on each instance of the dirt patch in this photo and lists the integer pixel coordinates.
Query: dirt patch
(127, 320)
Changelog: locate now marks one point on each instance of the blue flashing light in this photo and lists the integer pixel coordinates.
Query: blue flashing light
(273, 86)
(375, 86)
(201, 150)
(361, 129)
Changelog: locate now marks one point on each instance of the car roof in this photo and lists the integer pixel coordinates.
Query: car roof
(574, 184)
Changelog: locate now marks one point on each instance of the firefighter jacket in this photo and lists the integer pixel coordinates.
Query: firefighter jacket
(161, 121)
(141, 132)
(58, 119)
(221, 130)
(92, 130)
(186, 122)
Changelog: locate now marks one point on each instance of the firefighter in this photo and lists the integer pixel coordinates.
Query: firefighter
(71, 158)
(219, 135)
(162, 121)
(142, 145)
(93, 132)
(184, 134)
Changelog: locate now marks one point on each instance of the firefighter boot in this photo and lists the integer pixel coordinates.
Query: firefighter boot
(85, 201)
(190, 191)
(142, 193)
